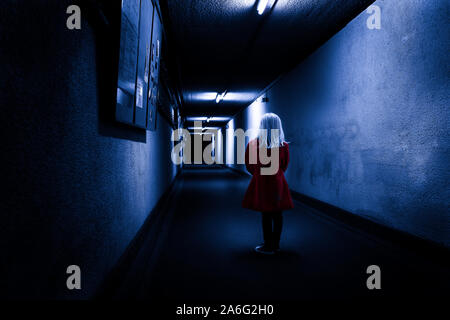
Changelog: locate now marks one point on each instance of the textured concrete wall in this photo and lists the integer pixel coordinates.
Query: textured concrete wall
(76, 186)
(368, 116)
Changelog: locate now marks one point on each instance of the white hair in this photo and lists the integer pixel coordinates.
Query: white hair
(271, 124)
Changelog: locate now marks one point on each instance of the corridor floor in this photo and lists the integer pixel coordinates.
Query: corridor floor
(205, 253)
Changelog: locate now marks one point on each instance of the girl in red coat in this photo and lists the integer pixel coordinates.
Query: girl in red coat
(267, 158)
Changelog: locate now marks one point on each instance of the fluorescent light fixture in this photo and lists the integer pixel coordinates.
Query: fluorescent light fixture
(208, 119)
(215, 119)
(220, 96)
(202, 96)
(240, 96)
(203, 128)
(196, 118)
(219, 119)
(237, 96)
(262, 5)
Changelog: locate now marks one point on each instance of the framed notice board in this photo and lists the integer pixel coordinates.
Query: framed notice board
(126, 86)
(143, 63)
(153, 90)
(138, 78)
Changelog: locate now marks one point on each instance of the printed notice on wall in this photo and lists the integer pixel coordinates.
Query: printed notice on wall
(139, 95)
(147, 64)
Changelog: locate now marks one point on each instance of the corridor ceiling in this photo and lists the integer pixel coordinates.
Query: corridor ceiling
(226, 45)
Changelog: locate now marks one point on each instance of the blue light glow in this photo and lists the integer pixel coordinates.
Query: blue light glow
(255, 112)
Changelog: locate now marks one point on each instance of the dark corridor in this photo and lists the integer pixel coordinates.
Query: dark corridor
(204, 253)
(125, 126)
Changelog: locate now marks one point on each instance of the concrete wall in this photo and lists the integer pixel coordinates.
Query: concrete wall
(76, 185)
(368, 116)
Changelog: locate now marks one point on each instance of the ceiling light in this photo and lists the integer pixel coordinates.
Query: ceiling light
(203, 128)
(202, 96)
(196, 118)
(236, 96)
(262, 6)
(220, 96)
(208, 119)
(219, 118)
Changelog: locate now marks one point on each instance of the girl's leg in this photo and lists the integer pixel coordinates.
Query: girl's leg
(266, 248)
(267, 227)
(277, 228)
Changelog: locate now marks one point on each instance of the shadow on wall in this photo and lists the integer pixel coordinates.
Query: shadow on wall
(104, 17)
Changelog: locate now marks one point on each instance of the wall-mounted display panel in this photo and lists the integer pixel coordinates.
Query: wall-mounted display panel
(139, 64)
(129, 41)
(154, 71)
(143, 64)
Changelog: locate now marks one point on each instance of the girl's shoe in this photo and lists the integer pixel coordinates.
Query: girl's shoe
(264, 249)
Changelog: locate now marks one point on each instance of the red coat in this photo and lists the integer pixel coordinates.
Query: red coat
(267, 192)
